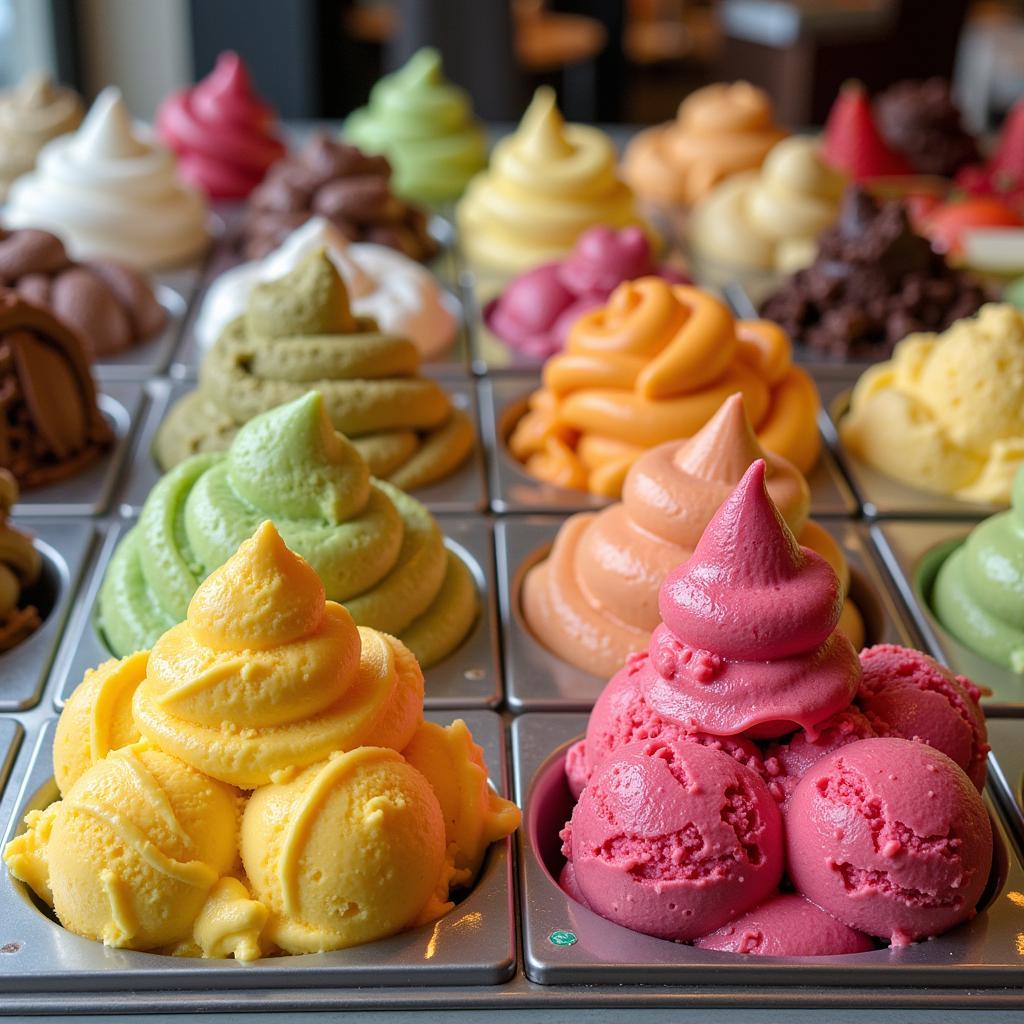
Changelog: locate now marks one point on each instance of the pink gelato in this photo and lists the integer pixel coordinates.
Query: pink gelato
(905, 693)
(674, 839)
(537, 309)
(786, 925)
(891, 837)
(748, 641)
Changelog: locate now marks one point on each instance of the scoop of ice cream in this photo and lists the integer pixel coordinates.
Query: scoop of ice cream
(336, 181)
(51, 426)
(748, 642)
(905, 693)
(299, 333)
(853, 144)
(874, 281)
(653, 365)
(536, 311)
(920, 120)
(786, 924)
(377, 550)
(20, 565)
(110, 191)
(890, 837)
(946, 413)
(594, 600)
(97, 718)
(719, 130)
(265, 675)
(425, 126)
(674, 839)
(547, 183)
(383, 285)
(31, 114)
(769, 219)
(978, 594)
(230, 924)
(132, 851)
(474, 815)
(109, 305)
(223, 133)
(348, 851)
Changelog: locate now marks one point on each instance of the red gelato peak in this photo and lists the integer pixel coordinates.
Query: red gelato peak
(1009, 155)
(229, 75)
(853, 144)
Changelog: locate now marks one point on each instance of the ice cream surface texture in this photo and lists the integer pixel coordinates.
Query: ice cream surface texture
(594, 600)
(299, 333)
(383, 285)
(223, 133)
(31, 114)
(719, 130)
(546, 184)
(378, 551)
(20, 566)
(653, 365)
(978, 594)
(424, 125)
(946, 413)
(769, 219)
(110, 190)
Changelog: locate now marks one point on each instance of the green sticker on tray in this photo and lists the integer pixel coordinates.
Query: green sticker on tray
(562, 938)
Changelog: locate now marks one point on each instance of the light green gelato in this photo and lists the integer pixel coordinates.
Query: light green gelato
(978, 593)
(378, 551)
(298, 333)
(424, 125)
(1014, 293)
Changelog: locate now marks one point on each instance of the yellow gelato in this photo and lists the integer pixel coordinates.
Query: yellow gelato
(946, 412)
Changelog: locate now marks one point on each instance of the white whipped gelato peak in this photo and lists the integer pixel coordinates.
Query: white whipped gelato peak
(108, 132)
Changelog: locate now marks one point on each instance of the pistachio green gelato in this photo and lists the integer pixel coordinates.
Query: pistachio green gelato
(298, 333)
(378, 551)
(978, 593)
(424, 125)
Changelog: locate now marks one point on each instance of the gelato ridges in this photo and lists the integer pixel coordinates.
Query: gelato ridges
(20, 566)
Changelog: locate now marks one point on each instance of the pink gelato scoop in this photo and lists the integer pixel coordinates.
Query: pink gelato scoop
(748, 641)
(905, 693)
(786, 925)
(674, 839)
(890, 837)
(536, 310)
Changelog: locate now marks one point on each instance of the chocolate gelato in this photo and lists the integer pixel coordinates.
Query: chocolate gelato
(111, 306)
(339, 182)
(50, 424)
(874, 282)
(921, 121)
(20, 565)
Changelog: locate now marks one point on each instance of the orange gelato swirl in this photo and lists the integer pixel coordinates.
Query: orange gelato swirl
(654, 365)
(594, 600)
(719, 130)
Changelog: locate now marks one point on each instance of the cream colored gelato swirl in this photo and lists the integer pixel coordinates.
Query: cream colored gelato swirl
(31, 114)
(395, 291)
(547, 183)
(110, 190)
(770, 219)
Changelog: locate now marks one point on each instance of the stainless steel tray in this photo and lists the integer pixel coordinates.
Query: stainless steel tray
(566, 944)
(880, 496)
(1006, 772)
(65, 546)
(538, 680)
(474, 944)
(912, 553)
(144, 361)
(465, 490)
(503, 402)
(89, 493)
(10, 739)
(470, 677)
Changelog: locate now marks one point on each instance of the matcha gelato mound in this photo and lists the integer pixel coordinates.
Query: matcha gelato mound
(298, 333)
(378, 551)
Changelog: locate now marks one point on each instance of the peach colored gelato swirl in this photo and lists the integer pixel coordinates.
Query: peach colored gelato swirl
(748, 641)
(594, 600)
(719, 130)
(654, 365)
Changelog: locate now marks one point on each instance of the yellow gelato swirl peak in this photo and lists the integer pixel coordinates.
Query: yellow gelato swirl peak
(542, 129)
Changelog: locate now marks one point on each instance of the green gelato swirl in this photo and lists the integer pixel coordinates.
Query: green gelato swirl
(378, 551)
(298, 333)
(979, 590)
(424, 125)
